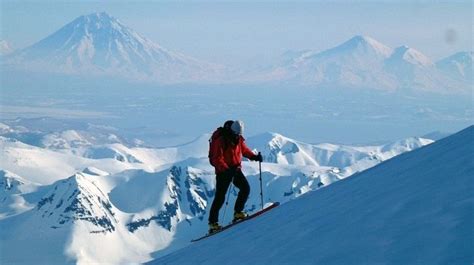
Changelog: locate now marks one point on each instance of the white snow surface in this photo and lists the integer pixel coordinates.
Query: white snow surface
(416, 208)
(74, 196)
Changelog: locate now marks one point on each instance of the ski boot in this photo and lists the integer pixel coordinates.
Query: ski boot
(239, 216)
(214, 228)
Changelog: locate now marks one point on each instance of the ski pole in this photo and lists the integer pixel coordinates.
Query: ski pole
(261, 189)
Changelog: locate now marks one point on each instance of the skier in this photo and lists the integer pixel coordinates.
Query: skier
(227, 146)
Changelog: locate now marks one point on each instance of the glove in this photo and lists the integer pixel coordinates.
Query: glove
(258, 157)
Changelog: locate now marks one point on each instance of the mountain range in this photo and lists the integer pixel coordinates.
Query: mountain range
(100, 45)
(363, 62)
(88, 196)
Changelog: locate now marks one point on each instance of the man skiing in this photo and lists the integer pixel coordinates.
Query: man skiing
(227, 146)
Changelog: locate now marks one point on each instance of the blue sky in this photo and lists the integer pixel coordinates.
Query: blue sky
(248, 31)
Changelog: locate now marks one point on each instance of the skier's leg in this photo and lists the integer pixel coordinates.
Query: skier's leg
(222, 184)
(244, 190)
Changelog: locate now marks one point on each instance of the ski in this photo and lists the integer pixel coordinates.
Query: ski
(273, 205)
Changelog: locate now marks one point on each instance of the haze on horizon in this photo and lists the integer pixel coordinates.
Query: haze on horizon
(243, 33)
(248, 35)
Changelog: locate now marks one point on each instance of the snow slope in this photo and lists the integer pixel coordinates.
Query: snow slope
(416, 208)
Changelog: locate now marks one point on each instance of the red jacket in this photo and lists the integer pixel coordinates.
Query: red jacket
(226, 155)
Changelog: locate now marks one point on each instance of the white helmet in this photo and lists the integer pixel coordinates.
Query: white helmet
(237, 127)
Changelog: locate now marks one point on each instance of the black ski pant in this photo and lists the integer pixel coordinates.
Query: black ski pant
(223, 181)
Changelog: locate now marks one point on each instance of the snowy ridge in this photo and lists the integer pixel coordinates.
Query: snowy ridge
(411, 56)
(360, 45)
(12, 188)
(415, 208)
(13, 183)
(78, 198)
(458, 65)
(282, 150)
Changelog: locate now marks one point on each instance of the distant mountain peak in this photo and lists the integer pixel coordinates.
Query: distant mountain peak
(99, 44)
(464, 57)
(100, 15)
(412, 56)
(365, 42)
(458, 65)
(100, 20)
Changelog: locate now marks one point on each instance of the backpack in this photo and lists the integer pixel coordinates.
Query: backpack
(216, 134)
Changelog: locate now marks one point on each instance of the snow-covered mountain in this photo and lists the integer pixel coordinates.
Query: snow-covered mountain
(99, 44)
(363, 62)
(351, 64)
(5, 48)
(458, 65)
(77, 198)
(12, 187)
(113, 202)
(279, 149)
(413, 209)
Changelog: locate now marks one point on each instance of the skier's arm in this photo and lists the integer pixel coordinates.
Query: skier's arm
(246, 152)
(218, 157)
